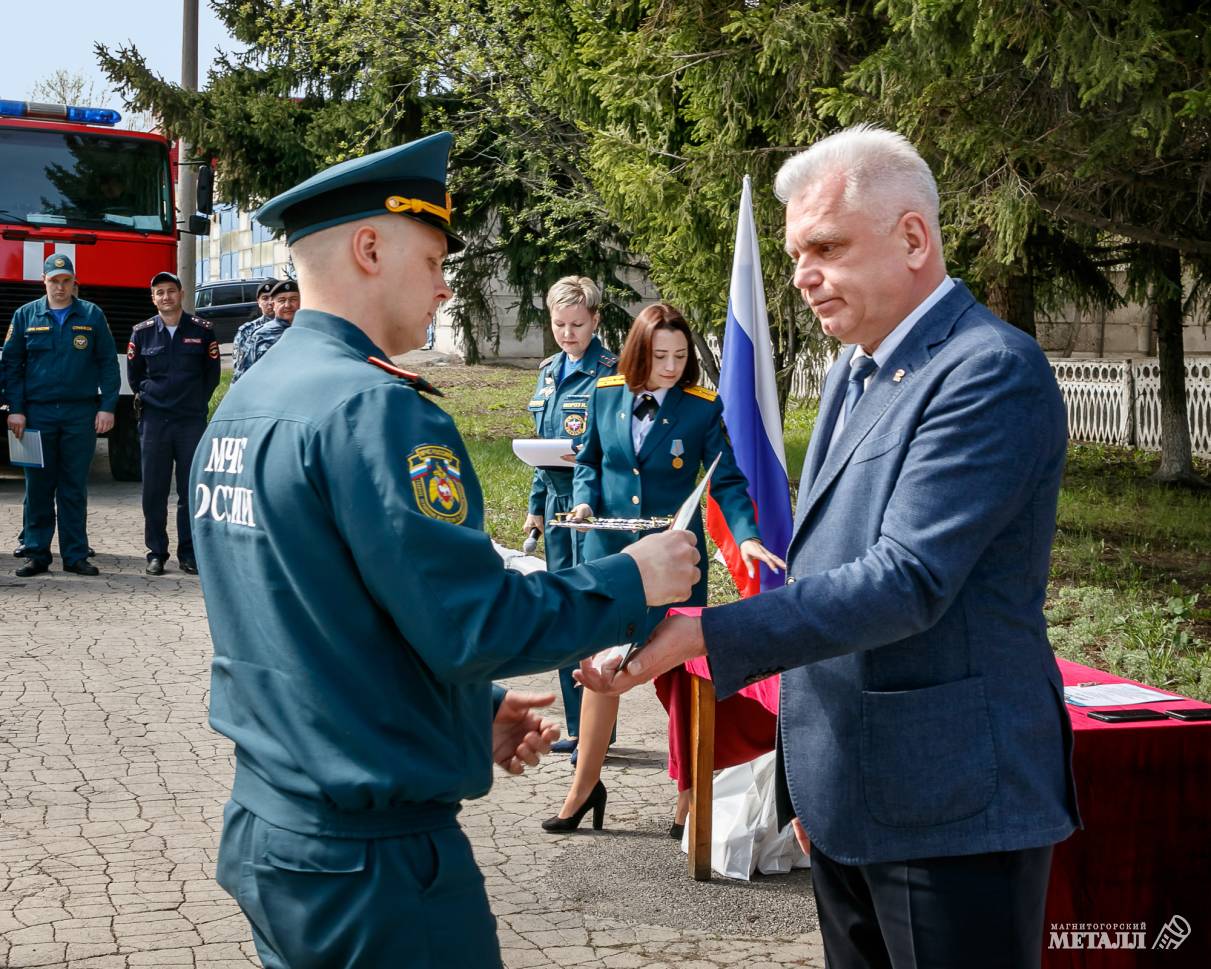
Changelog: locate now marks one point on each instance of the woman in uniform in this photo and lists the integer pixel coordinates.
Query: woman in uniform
(651, 430)
(560, 406)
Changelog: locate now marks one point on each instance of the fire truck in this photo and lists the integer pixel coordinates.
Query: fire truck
(71, 183)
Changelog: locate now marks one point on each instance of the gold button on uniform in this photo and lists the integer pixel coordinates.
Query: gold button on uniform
(634, 471)
(635, 499)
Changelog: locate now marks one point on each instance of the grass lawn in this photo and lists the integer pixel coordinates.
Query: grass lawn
(1131, 571)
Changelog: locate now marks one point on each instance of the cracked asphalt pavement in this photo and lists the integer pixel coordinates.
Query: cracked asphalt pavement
(112, 787)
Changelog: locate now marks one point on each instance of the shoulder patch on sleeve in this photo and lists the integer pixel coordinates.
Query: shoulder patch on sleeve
(697, 391)
(616, 381)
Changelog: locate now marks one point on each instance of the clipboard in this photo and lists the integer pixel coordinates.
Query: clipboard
(27, 452)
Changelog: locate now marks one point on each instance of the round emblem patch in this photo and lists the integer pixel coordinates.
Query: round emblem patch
(80, 341)
(574, 425)
(437, 483)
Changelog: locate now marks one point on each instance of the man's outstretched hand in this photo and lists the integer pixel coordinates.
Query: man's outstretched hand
(676, 640)
(520, 734)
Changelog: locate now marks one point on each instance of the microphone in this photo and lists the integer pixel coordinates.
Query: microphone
(531, 542)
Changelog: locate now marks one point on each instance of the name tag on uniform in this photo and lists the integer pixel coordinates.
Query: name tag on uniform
(37, 329)
(86, 329)
(192, 339)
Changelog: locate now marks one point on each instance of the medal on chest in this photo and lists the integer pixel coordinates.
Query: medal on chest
(676, 449)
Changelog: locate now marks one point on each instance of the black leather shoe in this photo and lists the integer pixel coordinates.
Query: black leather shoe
(32, 568)
(676, 831)
(155, 566)
(83, 567)
(21, 552)
(189, 566)
(596, 801)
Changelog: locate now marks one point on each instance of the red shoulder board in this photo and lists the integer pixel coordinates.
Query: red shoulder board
(419, 382)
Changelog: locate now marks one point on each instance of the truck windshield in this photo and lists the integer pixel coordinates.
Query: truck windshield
(74, 179)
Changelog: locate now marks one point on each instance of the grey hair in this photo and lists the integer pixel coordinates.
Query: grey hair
(884, 175)
(573, 291)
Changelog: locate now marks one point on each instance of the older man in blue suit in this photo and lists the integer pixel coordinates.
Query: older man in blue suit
(924, 742)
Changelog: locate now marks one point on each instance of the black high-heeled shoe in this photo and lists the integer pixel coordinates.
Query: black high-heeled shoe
(596, 800)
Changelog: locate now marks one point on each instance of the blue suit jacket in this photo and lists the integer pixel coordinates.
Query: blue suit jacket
(922, 710)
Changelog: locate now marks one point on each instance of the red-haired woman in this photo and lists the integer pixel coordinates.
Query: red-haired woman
(651, 429)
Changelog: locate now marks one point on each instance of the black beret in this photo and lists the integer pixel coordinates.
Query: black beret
(266, 288)
(285, 286)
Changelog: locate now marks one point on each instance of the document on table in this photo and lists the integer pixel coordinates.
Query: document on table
(541, 452)
(27, 452)
(1112, 695)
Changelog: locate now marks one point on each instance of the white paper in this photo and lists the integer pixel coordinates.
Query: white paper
(685, 514)
(744, 824)
(1112, 695)
(27, 452)
(540, 452)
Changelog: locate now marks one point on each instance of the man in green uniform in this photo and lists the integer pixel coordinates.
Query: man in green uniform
(357, 608)
(61, 379)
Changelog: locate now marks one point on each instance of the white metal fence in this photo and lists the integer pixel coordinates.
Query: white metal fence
(1118, 401)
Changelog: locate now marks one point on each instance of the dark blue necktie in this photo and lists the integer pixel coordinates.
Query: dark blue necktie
(646, 407)
(859, 369)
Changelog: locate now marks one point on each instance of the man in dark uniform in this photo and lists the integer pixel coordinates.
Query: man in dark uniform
(357, 607)
(285, 295)
(239, 346)
(172, 364)
(58, 353)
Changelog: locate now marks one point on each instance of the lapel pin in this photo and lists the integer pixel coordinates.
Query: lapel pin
(897, 376)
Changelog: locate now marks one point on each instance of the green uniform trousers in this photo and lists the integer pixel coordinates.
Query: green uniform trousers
(414, 901)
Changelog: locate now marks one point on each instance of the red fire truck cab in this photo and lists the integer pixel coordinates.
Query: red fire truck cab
(71, 183)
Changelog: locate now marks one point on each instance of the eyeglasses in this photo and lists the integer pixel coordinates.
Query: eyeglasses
(397, 204)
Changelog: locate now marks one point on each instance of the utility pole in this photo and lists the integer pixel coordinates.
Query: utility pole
(187, 184)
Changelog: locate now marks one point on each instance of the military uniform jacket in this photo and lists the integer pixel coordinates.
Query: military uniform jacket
(560, 409)
(239, 345)
(259, 342)
(49, 362)
(174, 373)
(358, 610)
(618, 483)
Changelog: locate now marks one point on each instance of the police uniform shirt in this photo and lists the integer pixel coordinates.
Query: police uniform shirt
(239, 345)
(357, 608)
(174, 370)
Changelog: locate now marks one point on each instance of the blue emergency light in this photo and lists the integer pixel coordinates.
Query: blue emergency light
(58, 112)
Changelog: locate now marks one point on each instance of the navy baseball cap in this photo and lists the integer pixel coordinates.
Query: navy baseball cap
(166, 277)
(57, 264)
(408, 180)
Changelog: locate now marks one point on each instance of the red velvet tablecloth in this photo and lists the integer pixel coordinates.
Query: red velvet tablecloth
(746, 723)
(1144, 793)
(1144, 856)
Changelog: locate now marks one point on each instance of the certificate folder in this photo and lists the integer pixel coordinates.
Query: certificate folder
(27, 452)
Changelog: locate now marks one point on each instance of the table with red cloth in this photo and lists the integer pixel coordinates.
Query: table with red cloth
(1143, 790)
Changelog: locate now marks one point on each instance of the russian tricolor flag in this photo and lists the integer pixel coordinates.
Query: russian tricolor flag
(749, 392)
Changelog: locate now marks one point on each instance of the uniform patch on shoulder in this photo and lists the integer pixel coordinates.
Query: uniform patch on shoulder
(702, 392)
(132, 350)
(213, 350)
(144, 325)
(203, 323)
(547, 362)
(437, 483)
(616, 381)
